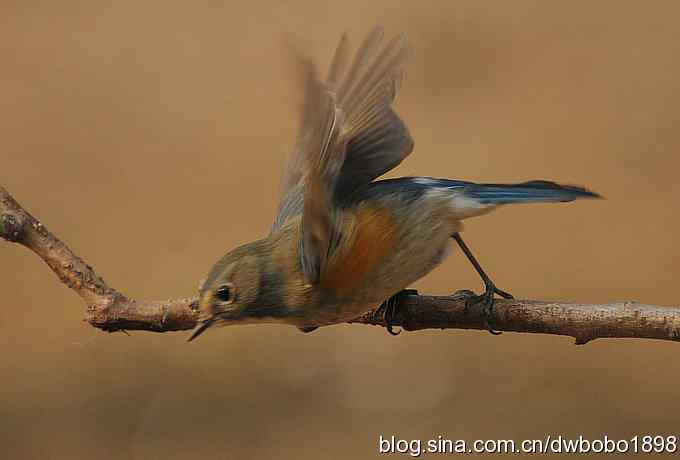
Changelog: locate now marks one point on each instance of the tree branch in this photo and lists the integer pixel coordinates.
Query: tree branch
(107, 308)
(110, 310)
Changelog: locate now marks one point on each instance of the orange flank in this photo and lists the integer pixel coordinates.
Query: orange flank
(373, 238)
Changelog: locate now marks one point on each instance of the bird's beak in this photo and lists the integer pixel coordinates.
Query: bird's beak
(200, 328)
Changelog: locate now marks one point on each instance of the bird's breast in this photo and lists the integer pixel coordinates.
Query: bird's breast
(369, 236)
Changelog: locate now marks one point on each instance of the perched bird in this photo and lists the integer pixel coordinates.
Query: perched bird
(342, 242)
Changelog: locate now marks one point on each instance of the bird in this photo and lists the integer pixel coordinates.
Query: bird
(342, 241)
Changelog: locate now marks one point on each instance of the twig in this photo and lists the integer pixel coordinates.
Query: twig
(110, 310)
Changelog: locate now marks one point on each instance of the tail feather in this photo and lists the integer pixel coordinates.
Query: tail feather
(536, 191)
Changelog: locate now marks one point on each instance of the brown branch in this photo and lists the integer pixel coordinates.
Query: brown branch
(111, 310)
(107, 308)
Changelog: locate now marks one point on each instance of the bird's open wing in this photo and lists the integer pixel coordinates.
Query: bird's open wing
(350, 135)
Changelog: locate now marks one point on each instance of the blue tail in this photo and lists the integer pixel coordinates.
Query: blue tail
(536, 191)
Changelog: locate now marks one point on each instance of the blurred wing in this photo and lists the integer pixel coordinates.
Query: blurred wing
(350, 135)
(318, 123)
(378, 139)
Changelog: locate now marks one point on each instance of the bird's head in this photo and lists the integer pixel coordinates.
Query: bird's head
(241, 288)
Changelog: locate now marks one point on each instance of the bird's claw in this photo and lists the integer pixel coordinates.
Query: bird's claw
(388, 309)
(505, 295)
(486, 300)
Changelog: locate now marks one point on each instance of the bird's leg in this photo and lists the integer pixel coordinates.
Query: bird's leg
(487, 298)
(388, 309)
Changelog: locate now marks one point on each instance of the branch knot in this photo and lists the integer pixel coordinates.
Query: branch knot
(11, 227)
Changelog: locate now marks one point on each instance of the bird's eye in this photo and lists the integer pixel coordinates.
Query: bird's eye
(225, 293)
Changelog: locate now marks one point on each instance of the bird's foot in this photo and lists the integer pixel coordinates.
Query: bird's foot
(388, 309)
(486, 301)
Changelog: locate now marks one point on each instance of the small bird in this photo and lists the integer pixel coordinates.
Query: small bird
(343, 242)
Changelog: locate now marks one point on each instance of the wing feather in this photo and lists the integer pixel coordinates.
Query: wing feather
(349, 136)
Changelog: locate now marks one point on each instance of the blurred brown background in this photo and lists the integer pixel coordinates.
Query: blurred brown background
(150, 136)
